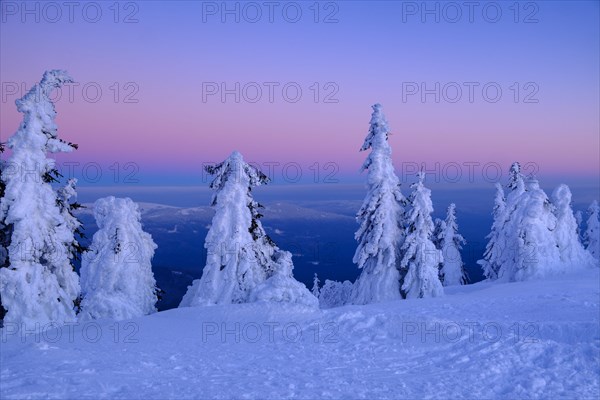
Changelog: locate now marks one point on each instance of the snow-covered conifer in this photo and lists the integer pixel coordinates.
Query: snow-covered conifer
(421, 257)
(572, 252)
(531, 249)
(453, 270)
(496, 244)
(243, 264)
(381, 220)
(315, 289)
(592, 233)
(39, 285)
(497, 250)
(116, 272)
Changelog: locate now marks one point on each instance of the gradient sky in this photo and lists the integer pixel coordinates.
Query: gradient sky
(368, 54)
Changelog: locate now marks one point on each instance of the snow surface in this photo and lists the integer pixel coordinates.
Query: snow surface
(362, 351)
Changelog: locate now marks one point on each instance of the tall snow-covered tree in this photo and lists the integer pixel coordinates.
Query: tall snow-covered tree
(451, 242)
(243, 263)
(592, 232)
(421, 257)
(497, 251)
(531, 246)
(381, 233)
(39, 285)
(116, 272)
(572, 252)
(315, 289)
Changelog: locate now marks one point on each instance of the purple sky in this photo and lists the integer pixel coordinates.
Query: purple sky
(172, 60)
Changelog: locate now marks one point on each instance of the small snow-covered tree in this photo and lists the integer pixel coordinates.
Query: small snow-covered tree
(315, 289)
(592, 233)
(39, 284)
(532, 251)
(381, 226)
(243, 263)
(335, 294)
(116, 272)
(496, 245)
(421, 257)
(453, 269)
(572, 252)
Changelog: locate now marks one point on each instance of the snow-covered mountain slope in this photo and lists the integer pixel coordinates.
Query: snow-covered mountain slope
(520, 340)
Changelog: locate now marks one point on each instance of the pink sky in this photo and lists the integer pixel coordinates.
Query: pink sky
(368, 55)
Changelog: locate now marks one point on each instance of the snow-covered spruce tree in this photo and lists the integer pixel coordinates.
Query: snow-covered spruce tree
(39, 285)
(498, 250)
(116, 272)
(532, 251)
(243, 263)
(315, 289)
(592, 232)
(421, 257)
(572, 252)
(496, 245)
(453, 270)
(381, 220)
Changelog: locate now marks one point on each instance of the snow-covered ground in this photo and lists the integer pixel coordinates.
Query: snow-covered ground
(537, 339)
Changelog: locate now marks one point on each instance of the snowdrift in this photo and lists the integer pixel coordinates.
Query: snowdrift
(537, 339)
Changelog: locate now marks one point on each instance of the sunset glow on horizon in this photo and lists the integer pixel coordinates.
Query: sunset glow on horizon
(186, 97)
